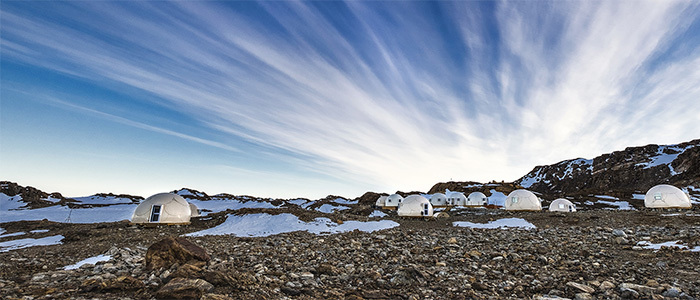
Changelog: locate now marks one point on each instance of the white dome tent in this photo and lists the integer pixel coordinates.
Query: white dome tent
(164, 208)
(415, 206)
(522, 200)
(392, 202)
(456, 199)
(194, 211)
(381, 201)
(666, 196)
(562, 204)
(477, 199)
(438, 200)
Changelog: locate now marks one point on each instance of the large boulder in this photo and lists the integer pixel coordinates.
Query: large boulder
(183, 288)
(169, 251)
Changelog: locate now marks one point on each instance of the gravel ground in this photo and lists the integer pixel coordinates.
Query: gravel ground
(591, 254)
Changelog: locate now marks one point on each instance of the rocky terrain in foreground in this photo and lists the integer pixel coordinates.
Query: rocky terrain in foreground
(593, 254)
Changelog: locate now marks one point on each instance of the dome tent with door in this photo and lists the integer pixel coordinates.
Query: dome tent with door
(415, 206)
(393, 201)
(562, 204)
(164, 208)
(477, 199)
(381, 201)
(456, 199)
(522, 200)
(666, 196)
(438, 200)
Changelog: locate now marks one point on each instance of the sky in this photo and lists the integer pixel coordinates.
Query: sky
(304, 99)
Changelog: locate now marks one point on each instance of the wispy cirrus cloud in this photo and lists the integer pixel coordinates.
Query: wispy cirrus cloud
(392, 95)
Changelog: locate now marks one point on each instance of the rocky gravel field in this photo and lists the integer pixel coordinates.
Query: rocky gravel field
(594, 254)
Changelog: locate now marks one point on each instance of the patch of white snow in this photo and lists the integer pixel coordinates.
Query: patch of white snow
(90, 260)
(29, 242)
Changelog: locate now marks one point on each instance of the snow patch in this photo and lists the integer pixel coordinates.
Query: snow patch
(29, 242)
(327, 208)
(39, 231)
(638, 196)
(621, 205)
(669, 244)
(10, 203)
(606, 197)
(64, 214)
(377, 214)
(345, 201)
(90, 260)
(261, 225)
(12, 234)
(500, 223)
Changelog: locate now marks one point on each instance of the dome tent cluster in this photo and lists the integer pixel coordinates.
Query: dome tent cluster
(660, 196)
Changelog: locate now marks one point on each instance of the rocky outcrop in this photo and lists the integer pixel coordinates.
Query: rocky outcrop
(635, 169)
(167, 252)
(34, 197)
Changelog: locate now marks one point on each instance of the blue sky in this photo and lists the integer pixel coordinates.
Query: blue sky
(304, 99)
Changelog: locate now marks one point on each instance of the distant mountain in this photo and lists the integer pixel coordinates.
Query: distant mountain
(635, 169)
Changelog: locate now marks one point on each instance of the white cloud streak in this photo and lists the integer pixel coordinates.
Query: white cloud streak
(558, 81)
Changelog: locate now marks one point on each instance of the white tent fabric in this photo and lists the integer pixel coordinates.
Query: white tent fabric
(194, 211)
(522, 200)
(438, 200)
(562, 204)
(166, 208)
(456, 199)
(477, 199)
(393, 200)
(415, 206)
(381, 201)
(666, 196)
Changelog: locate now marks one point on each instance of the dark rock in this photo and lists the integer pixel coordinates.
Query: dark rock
(182, 288)
(169, 251)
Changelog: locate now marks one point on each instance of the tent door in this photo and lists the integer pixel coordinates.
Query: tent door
(155, 213)
(425, 209)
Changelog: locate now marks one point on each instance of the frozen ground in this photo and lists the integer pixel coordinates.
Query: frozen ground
(256, 225)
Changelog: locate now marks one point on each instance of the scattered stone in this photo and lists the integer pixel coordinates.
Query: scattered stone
(581, 287)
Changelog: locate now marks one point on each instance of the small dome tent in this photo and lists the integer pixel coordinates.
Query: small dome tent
(438, 200)
(456, 198)
(666, 196)
(415, 206)
(164, 208)
(194, 211)
(381, 201)
(522, 200)
(477, 199)
(393, 201)
(562, 204)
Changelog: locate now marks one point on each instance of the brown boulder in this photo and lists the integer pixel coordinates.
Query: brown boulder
(120, 283)
(169, 251)
(182, 288)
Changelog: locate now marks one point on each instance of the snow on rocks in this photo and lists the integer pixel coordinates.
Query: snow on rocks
(500, 223)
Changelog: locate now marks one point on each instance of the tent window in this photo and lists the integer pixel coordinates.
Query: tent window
(561, 205)
(657, 196)
(155, 213)
(514, 199)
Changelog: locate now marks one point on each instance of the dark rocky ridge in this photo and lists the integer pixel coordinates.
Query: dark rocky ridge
(618, 173)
